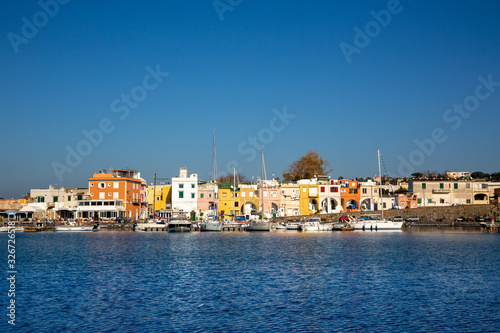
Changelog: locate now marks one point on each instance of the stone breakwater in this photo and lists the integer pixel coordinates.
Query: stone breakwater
(447, 214)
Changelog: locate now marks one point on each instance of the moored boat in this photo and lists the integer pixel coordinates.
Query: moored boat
(179, 224)
(314, 224)
(75, 228)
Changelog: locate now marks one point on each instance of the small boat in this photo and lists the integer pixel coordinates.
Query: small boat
(179, 224)
(314, 224)
(31, 229)
(292, 226)
(75, 228)
(211, 225)
(258, 225)
(6, 229)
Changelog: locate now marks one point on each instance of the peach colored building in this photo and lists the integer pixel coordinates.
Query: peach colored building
(118, 185)
(207, 200)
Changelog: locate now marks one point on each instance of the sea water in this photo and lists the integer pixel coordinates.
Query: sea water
(258, 282)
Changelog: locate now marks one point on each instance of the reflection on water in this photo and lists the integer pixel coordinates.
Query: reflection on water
(268, 282)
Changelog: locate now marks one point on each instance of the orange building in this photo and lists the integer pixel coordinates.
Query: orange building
(118, 185)
(349, 195)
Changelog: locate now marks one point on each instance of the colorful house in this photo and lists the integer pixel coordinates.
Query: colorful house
(349, 195)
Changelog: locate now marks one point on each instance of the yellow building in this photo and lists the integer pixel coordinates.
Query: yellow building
(227, 202)
(163, 200)
(308, 199)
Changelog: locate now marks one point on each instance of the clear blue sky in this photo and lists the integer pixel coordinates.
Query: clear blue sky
(230, 74)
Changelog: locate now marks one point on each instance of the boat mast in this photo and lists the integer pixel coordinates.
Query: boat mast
(234, 193)
(216, 215)
(262, 183)
(154, 198)
(380, 185)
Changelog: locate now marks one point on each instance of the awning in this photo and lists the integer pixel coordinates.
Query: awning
(71, 209)
(100, 208)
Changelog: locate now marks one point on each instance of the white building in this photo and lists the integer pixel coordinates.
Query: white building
(184, 192)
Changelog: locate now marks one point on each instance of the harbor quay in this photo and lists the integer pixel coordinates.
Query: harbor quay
(119, 198)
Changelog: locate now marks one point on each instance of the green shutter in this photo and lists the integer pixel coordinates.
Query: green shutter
(423, 186)
(201, 195)
(441, 185)
(181, 195)
(455, 186)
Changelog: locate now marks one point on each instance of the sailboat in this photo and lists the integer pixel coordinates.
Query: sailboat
(211, 223)
(260, 224)
(378, 225)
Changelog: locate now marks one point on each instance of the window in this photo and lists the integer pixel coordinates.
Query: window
(441, 185)
(192, 195)
(209, 195)
(115, 195)
(79, 197)
(109, 194)
(250, 194)
(322, 189)
(364, 191)
(101, 195)
(455, 186)
(467, 186)
(468, 200)
(441, 200)
(69, 197)
(91, 194)
(429, 200)
(181, 185)
(41, 199)
(192, 185)
(181, 195)
(55, 199)
(242, 194)
(304, 190)
(423, 186)
(109, 184)
(236, 204)
(101, 185)
(115, 184)
(202, 195)
(335, 189)
(419, 201)
(224, 194)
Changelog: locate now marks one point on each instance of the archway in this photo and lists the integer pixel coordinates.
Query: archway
(352, 204)
(366, 204)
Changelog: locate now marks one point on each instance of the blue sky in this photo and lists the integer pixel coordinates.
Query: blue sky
(230, 74)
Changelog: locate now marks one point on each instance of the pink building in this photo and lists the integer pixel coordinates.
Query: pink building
(207, 201)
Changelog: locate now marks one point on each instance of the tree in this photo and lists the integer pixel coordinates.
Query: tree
(229, 178)
(417, 175)
(307, 166)
(479, 175)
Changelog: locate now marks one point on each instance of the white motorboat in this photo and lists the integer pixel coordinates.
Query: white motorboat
(314, 224)
(377, 225)
(75, 228)
(211, 226)
(179, 224)
(259, 225)
(292, 226)
(6, 229)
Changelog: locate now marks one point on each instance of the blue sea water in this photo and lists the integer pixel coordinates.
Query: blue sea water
(256, 282)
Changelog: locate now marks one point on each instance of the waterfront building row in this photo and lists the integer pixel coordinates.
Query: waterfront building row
(123, 193)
